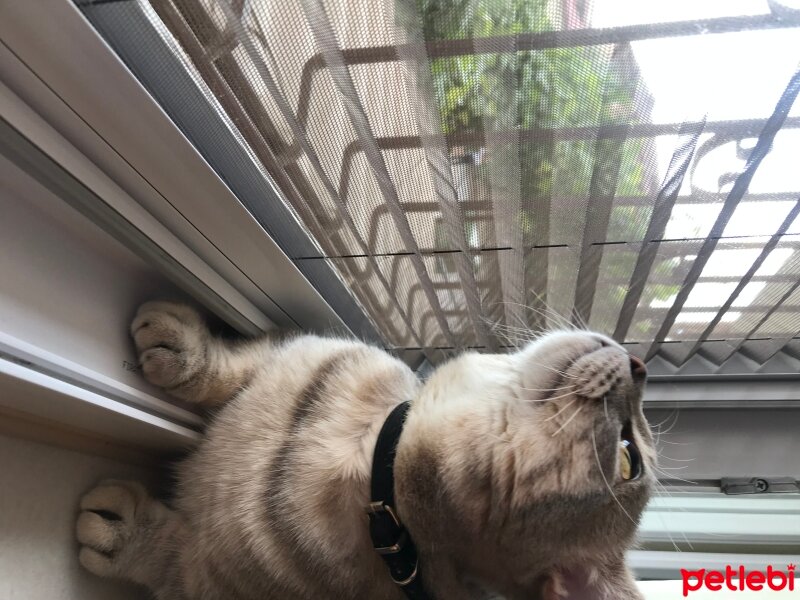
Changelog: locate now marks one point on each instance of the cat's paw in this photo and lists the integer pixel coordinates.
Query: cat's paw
(108, 525)
(171, 340)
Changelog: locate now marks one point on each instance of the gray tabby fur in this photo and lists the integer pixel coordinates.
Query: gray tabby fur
(504, 487)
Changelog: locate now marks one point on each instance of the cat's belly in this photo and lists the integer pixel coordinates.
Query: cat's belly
(274, 494)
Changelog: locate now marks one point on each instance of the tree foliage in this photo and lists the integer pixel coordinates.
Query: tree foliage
(544, 91)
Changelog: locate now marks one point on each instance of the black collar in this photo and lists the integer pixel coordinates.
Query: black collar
(389, 537)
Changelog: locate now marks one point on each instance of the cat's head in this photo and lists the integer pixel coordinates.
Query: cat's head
(533, 464)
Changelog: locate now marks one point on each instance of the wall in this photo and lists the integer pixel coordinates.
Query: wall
(39, 490)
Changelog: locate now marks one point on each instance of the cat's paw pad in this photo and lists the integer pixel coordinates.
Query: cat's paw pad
(107, 525)
(171, 340)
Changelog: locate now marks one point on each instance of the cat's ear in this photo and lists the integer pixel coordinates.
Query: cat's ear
(609, 582)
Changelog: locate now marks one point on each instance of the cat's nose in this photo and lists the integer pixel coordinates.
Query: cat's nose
(638, 368)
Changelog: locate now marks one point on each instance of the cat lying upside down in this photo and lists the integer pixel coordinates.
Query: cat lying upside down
(521, 475)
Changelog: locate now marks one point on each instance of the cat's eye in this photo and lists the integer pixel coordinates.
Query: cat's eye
(630, 462)
(624, 461)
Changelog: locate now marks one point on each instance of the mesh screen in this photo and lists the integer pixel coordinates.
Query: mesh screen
(476, 169)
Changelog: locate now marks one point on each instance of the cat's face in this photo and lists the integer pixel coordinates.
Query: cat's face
(586, 392)
(544, 453)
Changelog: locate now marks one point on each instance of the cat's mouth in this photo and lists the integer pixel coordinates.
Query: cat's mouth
(630, 459)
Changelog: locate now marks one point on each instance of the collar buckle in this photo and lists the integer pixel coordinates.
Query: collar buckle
(381, 508)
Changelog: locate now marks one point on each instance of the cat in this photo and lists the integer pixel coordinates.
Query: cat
(522, 475)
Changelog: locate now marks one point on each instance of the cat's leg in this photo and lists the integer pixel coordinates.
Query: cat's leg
(126, 534)
(178, 353)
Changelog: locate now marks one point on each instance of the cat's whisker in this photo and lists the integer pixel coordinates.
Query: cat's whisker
(581, 324)
(686, 481)
(551, 398)
(505, 334)
(523, 328)
(670, 428)
(662, 489)
(562, 409)
(568, 388)
(513, 327)
(568, 421)
(669, 535)
(555, 389)
(527, 332)
(654, 426)
(662, 455)
(673, 468)
(659, 432)
(558, 317)
(674, 416)
(670, 476)
(686, 539)
(554, 370)
(547, 312)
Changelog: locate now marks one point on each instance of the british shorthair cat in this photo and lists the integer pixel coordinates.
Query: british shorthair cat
(519, 475)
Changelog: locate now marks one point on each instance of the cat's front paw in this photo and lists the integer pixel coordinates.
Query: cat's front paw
(126, 534)
(107, 527)
(171, 340)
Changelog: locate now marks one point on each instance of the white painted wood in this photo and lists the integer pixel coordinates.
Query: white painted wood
(66, 371)
(40, 487)
(68, 293)
(27, 391)
(127, 214)
(87, 89)
(68, 287)
(761, 523)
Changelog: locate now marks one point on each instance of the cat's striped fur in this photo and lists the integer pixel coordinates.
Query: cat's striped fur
(497, 477)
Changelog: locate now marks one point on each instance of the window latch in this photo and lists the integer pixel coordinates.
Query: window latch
(759, 485)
